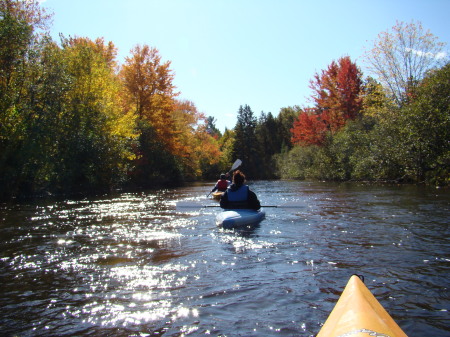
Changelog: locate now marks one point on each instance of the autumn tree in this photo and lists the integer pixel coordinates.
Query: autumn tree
(107, 51)
(309, 128)
(28, 11)
(337, 96)
(61, 125)
(375, 102)
(401, 57)
(208, 153)
(149, 94)
(197, 148)
(150, 91)
(93, 132)
(336, 93)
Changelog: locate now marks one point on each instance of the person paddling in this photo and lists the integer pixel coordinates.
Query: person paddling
(222, 184)
(239, 195)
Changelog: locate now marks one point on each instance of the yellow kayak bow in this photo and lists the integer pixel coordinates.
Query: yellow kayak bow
(358, 314)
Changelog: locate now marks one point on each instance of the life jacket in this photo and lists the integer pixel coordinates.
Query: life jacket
(222, 185)
(238, 197)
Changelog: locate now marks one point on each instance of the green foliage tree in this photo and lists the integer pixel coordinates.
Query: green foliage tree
(425, 130)
(70, 122)
(246, 144)
(14, 38)
(155, 165)
(94, 134)
(268, 140)
(296, 163)
(211, 127)
(226, 146)
(375, 102)
(62, 129)
(401, 144)
(19, 69)
(285, 121)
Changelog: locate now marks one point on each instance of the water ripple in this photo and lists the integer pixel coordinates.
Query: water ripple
(133, 265)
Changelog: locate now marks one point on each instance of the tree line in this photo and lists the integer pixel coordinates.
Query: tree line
(394, 127)
(74, 120)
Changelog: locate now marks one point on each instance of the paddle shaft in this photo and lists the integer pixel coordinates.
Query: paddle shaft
(208, 206)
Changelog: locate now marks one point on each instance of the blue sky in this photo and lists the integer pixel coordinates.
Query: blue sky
(228, 53)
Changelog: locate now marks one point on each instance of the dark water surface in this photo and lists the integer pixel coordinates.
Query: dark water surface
(132, 265)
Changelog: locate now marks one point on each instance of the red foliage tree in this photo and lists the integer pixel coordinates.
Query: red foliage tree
(309, 128)
(337, 96)
(337, 93)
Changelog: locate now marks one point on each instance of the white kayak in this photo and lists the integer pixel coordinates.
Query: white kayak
(239, 218)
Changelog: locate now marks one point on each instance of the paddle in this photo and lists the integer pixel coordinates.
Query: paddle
(183, 205)
(236, 164)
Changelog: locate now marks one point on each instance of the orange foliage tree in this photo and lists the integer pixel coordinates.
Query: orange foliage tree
(173, 134)
(195, 146)
(149, 91)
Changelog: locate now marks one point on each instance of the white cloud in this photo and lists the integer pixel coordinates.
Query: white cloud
(437, 56)
(441, 55)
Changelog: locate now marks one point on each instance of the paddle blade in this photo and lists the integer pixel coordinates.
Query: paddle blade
(236, 164)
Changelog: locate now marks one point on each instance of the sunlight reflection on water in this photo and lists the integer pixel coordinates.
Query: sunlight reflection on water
(127, 236)
(135, 265)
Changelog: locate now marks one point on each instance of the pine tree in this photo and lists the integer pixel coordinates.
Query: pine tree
(245, 145)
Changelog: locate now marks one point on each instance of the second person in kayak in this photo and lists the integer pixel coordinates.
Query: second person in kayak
(239, 195)
(222, 184)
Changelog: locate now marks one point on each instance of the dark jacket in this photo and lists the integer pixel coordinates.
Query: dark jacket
(239, 198)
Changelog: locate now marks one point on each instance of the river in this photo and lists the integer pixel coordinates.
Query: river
(131, 264)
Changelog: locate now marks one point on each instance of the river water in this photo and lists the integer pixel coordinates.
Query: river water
(131, 264)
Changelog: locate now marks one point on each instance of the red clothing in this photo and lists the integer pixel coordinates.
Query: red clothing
(222, 185)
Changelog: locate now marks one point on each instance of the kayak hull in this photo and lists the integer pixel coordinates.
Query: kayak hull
(217, 195)
(358, 313)
(239, 218)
